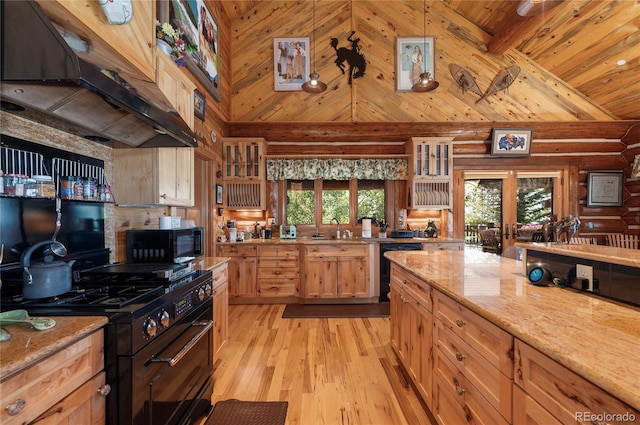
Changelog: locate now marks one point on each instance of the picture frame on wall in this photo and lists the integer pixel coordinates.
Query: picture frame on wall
(604, 188)
(199, 31)
(414, 55)
(219, 199)
(199, 104)
(511, 142)
(291, 63)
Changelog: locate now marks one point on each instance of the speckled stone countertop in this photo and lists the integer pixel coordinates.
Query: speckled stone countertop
(27, 346)
(210, 263)
(607, 254)
(597, 339)
(332, 241)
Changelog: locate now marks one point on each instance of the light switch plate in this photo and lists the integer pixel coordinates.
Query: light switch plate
(585, 272)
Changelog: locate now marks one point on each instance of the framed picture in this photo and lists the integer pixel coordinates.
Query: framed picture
(291, 63)
(635, 171)
(414, 55)
(604, 188)
(199, 104)
(199, 30)
(511, 142)
(219, 194)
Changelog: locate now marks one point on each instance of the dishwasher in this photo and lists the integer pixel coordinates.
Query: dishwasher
(385, 266)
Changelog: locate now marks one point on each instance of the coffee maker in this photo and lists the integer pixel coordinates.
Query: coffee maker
(287, 232)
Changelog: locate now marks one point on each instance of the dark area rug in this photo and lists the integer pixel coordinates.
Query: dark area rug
(299, 311)
(237, 412)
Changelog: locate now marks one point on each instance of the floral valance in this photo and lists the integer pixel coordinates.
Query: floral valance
(337, 169)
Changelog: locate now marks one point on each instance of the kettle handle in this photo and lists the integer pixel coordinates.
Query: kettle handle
(26, 256)
(28, 275)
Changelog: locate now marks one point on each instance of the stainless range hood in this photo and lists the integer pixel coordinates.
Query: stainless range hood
(39, 71)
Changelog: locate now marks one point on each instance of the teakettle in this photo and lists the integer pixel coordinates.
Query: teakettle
(46, 279)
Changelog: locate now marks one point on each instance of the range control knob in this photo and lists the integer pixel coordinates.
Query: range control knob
(150, 327)
(201, 293)
(208, 289)
(163, 318)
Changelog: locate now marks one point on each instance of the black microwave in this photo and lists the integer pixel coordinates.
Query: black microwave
(164, 246)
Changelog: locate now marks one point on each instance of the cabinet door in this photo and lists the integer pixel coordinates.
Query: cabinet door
(242, 277)
(321, 277)
(176, 86)
(220, 316)
(175, 176)
(395, 310)
(352, 277)
(526, 411)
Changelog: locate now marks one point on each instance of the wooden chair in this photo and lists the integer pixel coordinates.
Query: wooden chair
(489, 242)
(620, 240)
(583, 241)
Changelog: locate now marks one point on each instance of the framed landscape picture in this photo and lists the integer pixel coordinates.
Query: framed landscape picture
(291, 63)
(511, 142)
(414, 55)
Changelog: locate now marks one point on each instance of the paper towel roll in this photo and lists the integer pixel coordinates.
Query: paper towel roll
(366, 227)
(165, 222)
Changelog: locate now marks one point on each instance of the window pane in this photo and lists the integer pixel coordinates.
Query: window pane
(300, 202)
(335, 201)
(370, 199)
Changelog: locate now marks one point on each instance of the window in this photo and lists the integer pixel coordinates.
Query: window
(314, 202)
(300, 202)
(370, 199)
(335, 201)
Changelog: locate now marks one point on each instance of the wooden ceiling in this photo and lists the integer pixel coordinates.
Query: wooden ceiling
(578, 41)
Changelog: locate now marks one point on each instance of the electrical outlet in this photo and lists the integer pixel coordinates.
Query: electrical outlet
(585, 272)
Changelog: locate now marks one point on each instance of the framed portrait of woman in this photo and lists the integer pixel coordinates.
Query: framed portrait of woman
(414, 55)
(290, 63)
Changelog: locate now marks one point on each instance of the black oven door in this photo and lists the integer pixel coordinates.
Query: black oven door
(172, 377)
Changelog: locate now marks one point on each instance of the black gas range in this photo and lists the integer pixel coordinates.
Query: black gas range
(158, 341)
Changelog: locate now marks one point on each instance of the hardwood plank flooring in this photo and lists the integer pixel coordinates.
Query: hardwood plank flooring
(331, 371)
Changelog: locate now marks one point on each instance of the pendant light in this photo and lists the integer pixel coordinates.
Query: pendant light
(426, 83)
(314, 85)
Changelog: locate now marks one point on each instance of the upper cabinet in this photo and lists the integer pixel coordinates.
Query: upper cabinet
(126, 49)
(430, 172)
(176, 86)
(244, 173)
(163, 176)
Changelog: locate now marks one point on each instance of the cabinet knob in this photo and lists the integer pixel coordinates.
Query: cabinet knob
(459, 389)
(15, 407)
(104, 390)
(460, 323)
(459, 357)
(163, 196)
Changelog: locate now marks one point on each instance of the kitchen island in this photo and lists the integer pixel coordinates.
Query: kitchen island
(551, 350)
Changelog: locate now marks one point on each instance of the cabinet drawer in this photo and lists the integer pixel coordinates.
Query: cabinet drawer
(560, 391)
(493, 343)
(220, 277)
(526, 411)
(345, 250)
(279, 251)
(414, 286)
(277, 288)
(237, 250)
(278, 273)
(478, 371)
(49, 381)
(456, 398)
(274, 262)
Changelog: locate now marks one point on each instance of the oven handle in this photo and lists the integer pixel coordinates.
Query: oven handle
(175, 359)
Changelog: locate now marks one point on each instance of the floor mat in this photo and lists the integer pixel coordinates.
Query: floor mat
(298, 311)
(237, 412)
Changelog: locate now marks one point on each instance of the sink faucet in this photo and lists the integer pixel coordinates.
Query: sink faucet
(338, 223)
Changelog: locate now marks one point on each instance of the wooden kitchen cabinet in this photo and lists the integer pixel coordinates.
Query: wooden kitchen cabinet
(412, 329)
(558, 391)
(220, 287)
(244, 173)
(430, 173)
(336, 271)
(154, 176)
(66, 387)
(242, 271)
(176, 86)
(279, 271)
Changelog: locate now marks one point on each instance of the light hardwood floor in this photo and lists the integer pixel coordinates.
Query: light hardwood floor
(331, 371)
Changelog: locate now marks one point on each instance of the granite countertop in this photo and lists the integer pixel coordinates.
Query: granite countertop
(332, 241)
(608, 254)
(596, 338)
(210, 263)
(28, 346)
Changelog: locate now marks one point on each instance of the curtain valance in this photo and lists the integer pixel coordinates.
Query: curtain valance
(337, 169)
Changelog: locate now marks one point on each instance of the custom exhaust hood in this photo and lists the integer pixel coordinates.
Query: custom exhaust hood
(41, 72)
